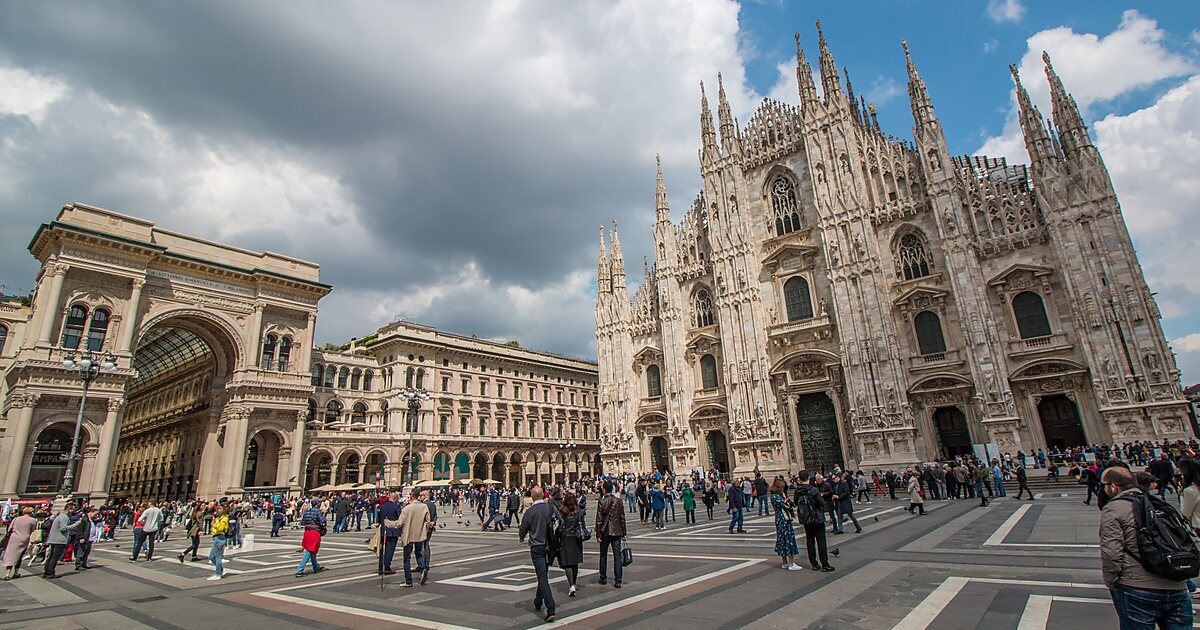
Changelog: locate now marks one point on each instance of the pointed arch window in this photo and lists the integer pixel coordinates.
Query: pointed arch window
(333, 412)
(285, 353)
(97, 330)
(1030, 313)
(343, 376)
(703, 309)
(317, 371)
(912, 257)
(797, 299)
(77, 318)
(784, 206)
(929, 333)
(708, 371)
(268, 351)
(653, 381)
(330, 374)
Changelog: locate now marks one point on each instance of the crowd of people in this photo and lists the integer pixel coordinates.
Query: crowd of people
(554, 519)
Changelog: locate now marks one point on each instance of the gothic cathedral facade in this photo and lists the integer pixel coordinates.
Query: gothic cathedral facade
(836, 296)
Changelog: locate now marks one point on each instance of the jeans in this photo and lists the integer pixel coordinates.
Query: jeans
(53, 555)
(764, 508)
(419, 547)
(193, 547)
(142, 537)
(276, 525)
(339, 524)
(615, 543)
(814, 539)
(217, 554)
(632, 502)
(389, 552)
(739, 519)
(844, 510)
(999, 483)
(659, 520)
(541, 566)
(1139, 609)
(979, 493)
(493, 517)
(83, 549)
(304, 559)
(689, 516)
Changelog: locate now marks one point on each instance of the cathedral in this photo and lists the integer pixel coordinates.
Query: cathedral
(836, 296)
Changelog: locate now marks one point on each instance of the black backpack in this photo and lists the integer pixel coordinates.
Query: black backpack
(554, 534)
(808, 506)
(1166, 546)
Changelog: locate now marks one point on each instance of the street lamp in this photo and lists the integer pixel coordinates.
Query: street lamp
(89, 366)
(414, 398)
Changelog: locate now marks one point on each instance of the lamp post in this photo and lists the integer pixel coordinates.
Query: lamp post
(414, 398)
(565, 446)
(89, 366)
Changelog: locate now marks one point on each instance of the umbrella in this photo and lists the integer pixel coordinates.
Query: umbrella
(431, 484)
(325, 488)
(475, 481)
(345, 486)
(491, 482)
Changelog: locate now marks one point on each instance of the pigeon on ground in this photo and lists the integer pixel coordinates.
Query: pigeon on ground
(835, 552)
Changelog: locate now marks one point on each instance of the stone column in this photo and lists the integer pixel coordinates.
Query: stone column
(362, 471)
(296, 463)
(235, 446)
(129, 319)
(108, 448)
(254, 335)
(51, 305)
(305, 362)
(20, 423)
(333, 472)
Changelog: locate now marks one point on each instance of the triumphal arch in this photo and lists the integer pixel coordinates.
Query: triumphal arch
(211, 346)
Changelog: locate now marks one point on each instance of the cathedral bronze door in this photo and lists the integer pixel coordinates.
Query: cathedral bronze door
(718, 451)
(659, 459)
(819, 437)
(952, 431)
(1060, 422)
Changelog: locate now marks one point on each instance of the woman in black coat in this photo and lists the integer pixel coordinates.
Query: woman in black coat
(570, 556)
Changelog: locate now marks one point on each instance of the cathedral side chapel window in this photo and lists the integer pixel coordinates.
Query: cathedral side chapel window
(797, 299)
(704, 310)
(929, 333)
(1030, 313)
(912, 258)
(653, 382)
(708, 371)
(784, 206)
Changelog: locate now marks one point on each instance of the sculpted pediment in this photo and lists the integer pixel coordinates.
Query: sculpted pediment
(649, 355)
(788, 251)
(1018, 273)
(940, 382)
(703, 341)
(921, 297)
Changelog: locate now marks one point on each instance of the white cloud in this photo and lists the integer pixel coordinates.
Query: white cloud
(990, 45)
(25, 94)
(1005, 10)
(883, 89)
(1187, 343)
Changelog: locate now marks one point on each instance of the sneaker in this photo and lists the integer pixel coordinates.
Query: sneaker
(602, 581)
(407, 585)
(318, 570)
(571, 592)
(826, 569)
(794, 567)
(550, 617)
(300, 574)
(213, 578)
(424, 576)
(180, 556)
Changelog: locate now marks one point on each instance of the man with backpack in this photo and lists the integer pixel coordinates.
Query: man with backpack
(811, 514)
(1146, 554)
(539, 523)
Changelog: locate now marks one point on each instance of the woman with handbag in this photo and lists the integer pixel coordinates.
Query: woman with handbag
(785, 534)
(916, 496)
(20, 531)
(570, 554)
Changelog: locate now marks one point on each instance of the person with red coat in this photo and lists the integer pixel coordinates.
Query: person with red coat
(313, 522)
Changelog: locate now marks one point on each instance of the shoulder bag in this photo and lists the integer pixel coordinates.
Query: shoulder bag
(626, 556)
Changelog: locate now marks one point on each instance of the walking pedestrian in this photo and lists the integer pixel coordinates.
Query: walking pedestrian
(737, 503)
(916, 496)
(658, 503)
(689, 504)
(389, 532)
(1023, 483)
(220, 533)
(762, 490)
(414, 529)
(145, 531)
(710, 500)
(193, 525)
(570, 555)
(20, 532)
(610, 532)
(536, 525)
(57, 539)
(314, 525)
(811, 514)
(83, 538)
(843, 497)
(785, 534)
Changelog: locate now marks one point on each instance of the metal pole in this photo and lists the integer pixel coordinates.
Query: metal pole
(413, 405)
(69, 479)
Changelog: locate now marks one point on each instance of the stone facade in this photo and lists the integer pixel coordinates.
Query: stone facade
(838, 296)
(215, 390)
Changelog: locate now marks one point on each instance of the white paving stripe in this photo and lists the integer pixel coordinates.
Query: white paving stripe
(360, 612)
(1037, 613)
(920, 617)
(1006, 528)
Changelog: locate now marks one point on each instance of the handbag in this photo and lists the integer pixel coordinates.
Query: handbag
(626, 556)
(581, 532)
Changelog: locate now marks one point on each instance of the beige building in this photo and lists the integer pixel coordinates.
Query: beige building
(217, 388)
(838, 296)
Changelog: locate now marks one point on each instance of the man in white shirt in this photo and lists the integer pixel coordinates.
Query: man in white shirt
(149, 521)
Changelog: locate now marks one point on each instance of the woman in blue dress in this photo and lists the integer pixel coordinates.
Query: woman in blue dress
(785, 536)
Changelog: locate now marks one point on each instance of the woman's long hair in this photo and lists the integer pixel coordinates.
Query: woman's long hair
(569, 505)
(1191, 471)
(779, 486)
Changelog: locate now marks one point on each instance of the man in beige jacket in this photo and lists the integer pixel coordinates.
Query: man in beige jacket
(1142, 599)
(414, 526)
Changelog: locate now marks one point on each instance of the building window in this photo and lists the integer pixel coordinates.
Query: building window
(343, 376)
(797, 299)
(560, 430)
(546, 429)
(653, 381)
(585, 400)
(574, 430)
(333, 412)
(421, 378)
(1030, 312)
(499, 390)
(444, 424)
(464, 385)
(483, 389)
(408, 377)
(367, 380)
(330, 374)
(312, 410)
(445, 383)
(703, 309)
(268, 352)
(572, 398)
(783, 203)
(500, 428)
(359, 414)
(559, 397)
(462, 426)
(708, 371)
(285, 353)
(317, 371)
(3, 336)
(585, 432)
(929, 333)
(516, 391)
(98, 330)
(912, 257)
(531, 393)
(483, 426)
(73, 328)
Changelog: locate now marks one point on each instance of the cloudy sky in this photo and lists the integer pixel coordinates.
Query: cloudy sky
(452, 162)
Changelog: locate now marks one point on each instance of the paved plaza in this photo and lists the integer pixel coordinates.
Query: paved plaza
(1016, 564)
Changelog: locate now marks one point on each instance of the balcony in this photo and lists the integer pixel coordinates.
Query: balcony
(1057, 342)
(949, 358)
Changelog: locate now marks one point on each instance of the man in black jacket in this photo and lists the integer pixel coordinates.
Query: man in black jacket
(737, 504)
(761, 490)
(1164, 470)
(536, 525)
(610, 532)
(811, 517)
(1023, 482)
(843, 502)
(389, 532)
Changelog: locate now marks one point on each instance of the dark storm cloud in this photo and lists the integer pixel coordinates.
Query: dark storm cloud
(499, 135)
